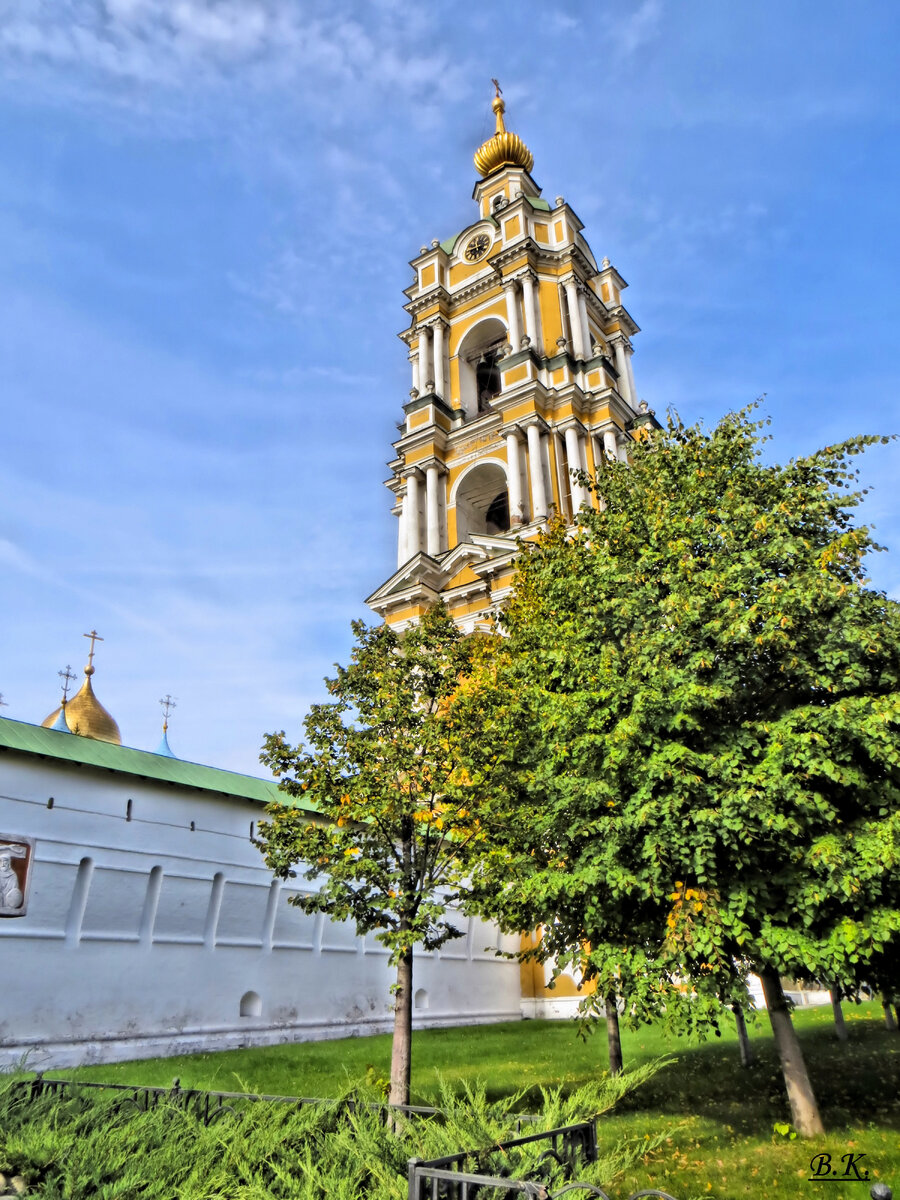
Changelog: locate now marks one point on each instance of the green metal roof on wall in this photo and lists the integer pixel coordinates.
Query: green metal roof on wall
(69, 747)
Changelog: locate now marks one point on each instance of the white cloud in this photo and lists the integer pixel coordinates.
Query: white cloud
(14, 558)
(189, 43)
(564, 21)
(634, 31)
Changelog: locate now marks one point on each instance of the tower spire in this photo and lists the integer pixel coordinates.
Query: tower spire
(499, 107)
(504, 149)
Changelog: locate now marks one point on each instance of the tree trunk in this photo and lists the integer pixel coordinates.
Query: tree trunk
(401, 1046)
(612, 1033)
(804, 1109)
(897, 1016)
(743, 1039)
(889, 1022)
(840, 1025)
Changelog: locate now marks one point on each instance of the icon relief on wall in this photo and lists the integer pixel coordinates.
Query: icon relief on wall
(16, 855)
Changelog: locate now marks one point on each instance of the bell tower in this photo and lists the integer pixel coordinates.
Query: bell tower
(520, 349)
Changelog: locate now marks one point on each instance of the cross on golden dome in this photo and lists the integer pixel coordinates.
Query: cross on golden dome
(84, 714)
(95, 637)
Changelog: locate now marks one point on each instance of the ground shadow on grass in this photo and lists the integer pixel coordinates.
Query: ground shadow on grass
(854, 1081)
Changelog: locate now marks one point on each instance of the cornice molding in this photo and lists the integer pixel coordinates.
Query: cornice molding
(436, 319)
(428, 435)
(436, 294)
(571, 423)
(428, 400)
(426, 464)
(483, 424)
(623, 316)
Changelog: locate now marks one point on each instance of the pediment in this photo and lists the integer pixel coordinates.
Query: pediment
(465, 563)
(479, 549)
(461, 578)
(420, 569)
(496, 543)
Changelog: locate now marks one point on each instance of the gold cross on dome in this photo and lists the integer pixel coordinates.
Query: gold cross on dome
(95, 637)
(66, 676)
(168, 703)
(497, 86)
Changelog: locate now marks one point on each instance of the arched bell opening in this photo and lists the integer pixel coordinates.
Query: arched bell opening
(479, 357)
(482, 502)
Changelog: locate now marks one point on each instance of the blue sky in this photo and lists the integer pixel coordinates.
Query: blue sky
(207, 208)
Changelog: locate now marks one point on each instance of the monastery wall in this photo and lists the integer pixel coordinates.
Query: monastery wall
(154, 928)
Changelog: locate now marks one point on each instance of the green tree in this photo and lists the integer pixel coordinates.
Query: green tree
(396, 823)
(700, 692)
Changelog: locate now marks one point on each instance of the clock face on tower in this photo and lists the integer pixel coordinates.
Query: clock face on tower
(477, 247)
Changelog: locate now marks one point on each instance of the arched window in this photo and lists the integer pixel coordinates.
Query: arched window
(251, 1005)
(482, 501)
(479, 356)
(497, 516)
(487, 379)
(421, 998)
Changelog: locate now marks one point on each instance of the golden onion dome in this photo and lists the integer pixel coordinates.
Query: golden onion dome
(503, 149)
(85, 715)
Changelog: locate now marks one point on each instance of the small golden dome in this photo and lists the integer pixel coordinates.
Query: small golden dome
(503, 149)
(85, 715)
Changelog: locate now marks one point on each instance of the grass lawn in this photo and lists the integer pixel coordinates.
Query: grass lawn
(719, 1117)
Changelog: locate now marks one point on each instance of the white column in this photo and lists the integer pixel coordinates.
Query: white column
(439, 357)
(536, 469)
(583, 319)
(573, 453)
(599, 459)
(512, 316)
(610, 445)
(574, 318)
(433, 510)
(530, 312)
(417, 380)
(622, 368)
(426, 370)
(411, 514)
(514, 480)
(628, 356)
(622, 445)
(401, 532)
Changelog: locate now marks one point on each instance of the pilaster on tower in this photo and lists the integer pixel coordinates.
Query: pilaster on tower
(520, 355)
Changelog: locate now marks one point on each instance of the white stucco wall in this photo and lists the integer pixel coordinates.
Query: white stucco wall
(143, 935)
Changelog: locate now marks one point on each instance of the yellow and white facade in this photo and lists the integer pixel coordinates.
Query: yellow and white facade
(520, 349)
